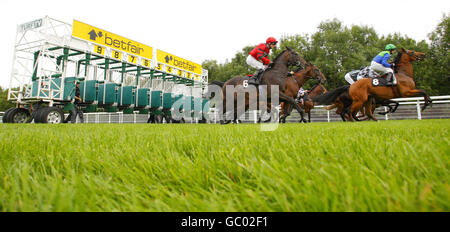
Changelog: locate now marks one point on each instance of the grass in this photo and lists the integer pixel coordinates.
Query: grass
(368, 166)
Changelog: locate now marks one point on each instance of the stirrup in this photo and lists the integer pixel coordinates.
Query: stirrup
(394, 80)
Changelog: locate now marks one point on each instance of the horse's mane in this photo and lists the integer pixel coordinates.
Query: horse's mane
(397, 61)
(314, 86)
(298, 69)
(279, 55)
(275, 60)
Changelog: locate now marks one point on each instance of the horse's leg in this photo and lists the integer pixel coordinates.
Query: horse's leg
(273, 113)
(418, 93)
(223, 115)
(330, 107)
(387, 104)
(291, 100)
(284, 109)
(288, 112)
(309, 116)
(347, 114)
(370, 109)
(281, 112)
(355, 107)
(395, 107)
(239, 111)
(359, 98)
(268, 111)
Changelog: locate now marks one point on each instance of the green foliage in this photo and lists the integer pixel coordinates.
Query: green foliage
(4, 103)
(228, 70)
(384, 166)
(438, 77)
(337, 49)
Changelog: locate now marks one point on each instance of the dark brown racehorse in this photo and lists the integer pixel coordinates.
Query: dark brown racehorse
(295, 82)
(360, 93)
(308, 103)
(275, 75)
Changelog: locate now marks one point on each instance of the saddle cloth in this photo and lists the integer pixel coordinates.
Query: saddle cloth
(377, 79)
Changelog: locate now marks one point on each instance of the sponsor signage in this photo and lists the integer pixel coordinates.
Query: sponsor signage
(177, 62)
(104, 38)
(30, 25)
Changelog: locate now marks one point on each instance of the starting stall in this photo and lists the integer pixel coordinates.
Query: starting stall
(114, 73)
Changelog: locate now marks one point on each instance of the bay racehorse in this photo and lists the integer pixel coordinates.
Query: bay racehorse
(275, 75)
(361, 93)
(295, 82)
(308, 103)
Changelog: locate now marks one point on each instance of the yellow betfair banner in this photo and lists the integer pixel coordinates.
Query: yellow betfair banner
(105, 38)
(177, 62)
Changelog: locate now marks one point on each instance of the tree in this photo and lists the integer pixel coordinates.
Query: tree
(4, 103)
(438, 76)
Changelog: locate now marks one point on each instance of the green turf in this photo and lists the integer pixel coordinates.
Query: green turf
(367, 166)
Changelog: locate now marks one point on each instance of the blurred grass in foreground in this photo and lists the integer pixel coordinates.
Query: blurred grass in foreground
(367, 166)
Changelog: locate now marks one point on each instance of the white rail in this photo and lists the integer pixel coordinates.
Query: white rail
(119, 117)
(418, 101)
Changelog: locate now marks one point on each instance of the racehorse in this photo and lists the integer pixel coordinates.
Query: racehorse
(308, 103)
(275, 75)
(295, 82)
(344, 101)
(361, 92)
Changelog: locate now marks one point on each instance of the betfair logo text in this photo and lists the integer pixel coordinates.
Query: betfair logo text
(126, 45)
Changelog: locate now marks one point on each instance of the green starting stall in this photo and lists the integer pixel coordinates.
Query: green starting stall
(114, 73)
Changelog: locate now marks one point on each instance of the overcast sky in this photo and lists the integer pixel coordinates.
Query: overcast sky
(198, 30)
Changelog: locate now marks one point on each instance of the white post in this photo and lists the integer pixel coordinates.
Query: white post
(328, 115)
(255, 116)
(419, 115)
(109, 117)
(134, 114)
(386, 115)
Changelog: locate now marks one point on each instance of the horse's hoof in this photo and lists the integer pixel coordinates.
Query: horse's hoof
(224, 122)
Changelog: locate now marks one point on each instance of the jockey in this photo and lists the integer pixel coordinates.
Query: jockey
(300, 95)
(350, 76)
(258, 57)
(380, 63)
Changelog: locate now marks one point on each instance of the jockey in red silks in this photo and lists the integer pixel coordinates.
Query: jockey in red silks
(258, 57)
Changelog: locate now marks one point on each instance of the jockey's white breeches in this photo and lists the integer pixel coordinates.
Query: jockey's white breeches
(254, 63)
(377, 67)
(349, 79)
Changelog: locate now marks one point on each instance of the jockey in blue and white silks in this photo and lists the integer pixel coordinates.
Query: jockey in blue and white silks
(380, 63)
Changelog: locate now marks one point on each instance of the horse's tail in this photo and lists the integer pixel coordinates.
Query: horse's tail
(329, 97)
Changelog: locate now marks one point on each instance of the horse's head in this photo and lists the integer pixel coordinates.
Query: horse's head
(294, 59)
(317, 90)
(314, 72)
(413, 55)
(321, 89)
(407, 56)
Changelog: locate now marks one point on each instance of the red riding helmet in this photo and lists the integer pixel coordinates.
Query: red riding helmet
(271, 40)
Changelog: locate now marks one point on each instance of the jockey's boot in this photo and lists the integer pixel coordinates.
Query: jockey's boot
(390, 78)
(256, 78)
